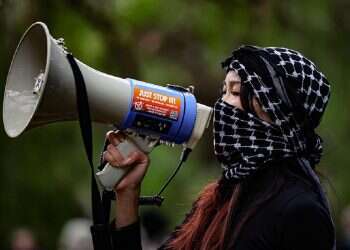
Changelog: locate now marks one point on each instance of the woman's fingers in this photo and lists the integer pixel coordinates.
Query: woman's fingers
(131, 159)
(112, 154)
(115, 137)
(107, 156)
(137, 162)
(115, 154)
(134, 177)
(117, 158)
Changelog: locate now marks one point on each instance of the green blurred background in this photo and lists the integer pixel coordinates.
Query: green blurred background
(44, 178)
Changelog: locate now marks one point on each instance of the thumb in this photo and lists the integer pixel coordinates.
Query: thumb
(132, 158)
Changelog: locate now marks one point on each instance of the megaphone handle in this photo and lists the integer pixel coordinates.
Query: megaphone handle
(110, 176)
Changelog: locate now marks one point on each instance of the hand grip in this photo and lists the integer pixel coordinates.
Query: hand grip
(110, 176)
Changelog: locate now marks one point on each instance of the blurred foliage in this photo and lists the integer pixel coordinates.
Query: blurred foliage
(44, 174)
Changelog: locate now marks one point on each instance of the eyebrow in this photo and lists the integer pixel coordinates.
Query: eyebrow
(232, 83)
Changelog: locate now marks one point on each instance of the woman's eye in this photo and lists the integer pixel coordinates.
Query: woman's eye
(235, 93)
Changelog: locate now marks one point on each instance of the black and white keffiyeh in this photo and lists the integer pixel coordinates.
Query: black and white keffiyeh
(294, 95)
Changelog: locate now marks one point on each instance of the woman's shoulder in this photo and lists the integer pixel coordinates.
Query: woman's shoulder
(304, 220)
(300, 217)
(300, 199)
(298, 194)
(294, 196)
(293, 218)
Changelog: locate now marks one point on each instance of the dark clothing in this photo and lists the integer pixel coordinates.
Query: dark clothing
(293, 219)
(343, 244)
(128, 237)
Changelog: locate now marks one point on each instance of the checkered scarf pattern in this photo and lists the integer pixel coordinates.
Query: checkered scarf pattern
(243, 142)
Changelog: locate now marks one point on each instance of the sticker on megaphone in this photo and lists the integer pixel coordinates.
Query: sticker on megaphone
(168, 112)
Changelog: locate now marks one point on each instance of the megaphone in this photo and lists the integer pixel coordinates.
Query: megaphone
(40, 89)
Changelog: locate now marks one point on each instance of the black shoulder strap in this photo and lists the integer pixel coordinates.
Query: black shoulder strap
(100, 227)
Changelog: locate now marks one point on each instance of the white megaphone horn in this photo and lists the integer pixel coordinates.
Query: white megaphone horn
(40, 89)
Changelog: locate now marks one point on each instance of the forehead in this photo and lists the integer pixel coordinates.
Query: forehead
(232, 76)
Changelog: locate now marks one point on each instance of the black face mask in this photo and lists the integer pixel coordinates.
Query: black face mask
(243, 142)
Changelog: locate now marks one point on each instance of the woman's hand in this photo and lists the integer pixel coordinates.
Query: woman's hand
(128, 189)
(137, 161)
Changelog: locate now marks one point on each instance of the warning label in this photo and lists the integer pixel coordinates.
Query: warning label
(149, 101)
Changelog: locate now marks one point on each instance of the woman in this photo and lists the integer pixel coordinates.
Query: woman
(269, 196)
